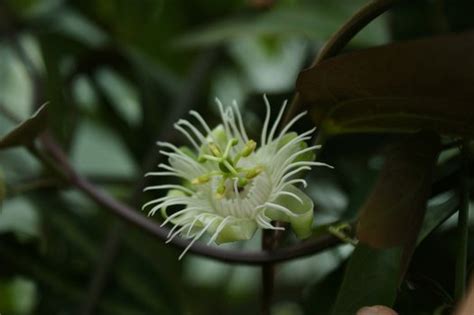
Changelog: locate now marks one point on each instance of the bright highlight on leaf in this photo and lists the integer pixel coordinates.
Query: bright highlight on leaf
(231, 184)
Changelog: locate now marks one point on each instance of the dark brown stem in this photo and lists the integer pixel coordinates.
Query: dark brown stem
(268, 273)
(99, 279)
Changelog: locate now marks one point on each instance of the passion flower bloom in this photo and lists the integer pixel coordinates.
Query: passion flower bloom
(230, 185)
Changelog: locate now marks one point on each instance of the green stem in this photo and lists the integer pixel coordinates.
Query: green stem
(463, 227)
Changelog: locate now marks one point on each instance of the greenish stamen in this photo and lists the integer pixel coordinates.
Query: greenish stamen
(228, 168)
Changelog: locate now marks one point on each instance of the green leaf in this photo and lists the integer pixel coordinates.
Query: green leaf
(408, 86)
(19, 217)
(26, 132)
(98, 151)
(436, 214)
(371, 278)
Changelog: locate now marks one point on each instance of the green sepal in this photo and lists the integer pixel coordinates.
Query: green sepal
(239, 231)
(302, 222)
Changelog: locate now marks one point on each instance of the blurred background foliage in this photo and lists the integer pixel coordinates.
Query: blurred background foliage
(117, 74)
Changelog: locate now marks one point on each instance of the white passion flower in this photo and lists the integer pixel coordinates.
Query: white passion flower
(230, 185)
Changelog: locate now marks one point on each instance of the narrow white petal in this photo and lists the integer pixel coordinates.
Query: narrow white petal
(277, 121)
(239, 119)
(219, 229)
(198, 236)
(169, 186)
(187, 135)
(290, 194)
(291, 123)
(266, 122)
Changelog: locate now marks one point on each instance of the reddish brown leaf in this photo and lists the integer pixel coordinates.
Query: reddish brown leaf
(394, 210)
(408, 86)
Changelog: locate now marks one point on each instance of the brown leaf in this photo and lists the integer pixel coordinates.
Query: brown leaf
(466, 307)
(26, 132)
(395, 208)
(407, 86)
(393, 212)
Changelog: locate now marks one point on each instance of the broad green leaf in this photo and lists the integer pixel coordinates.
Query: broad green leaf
(26, 132)
(371, 278)
(408, 86)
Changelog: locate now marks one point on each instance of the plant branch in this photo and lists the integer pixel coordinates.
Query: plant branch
(134, 217)
(268, 272)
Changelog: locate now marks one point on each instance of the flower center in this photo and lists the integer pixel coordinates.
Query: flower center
(227, 166)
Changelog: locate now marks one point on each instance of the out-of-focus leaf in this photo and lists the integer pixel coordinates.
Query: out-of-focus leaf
(18, 296)
(437, 213)
(74, 25)
(315, 22)
(15, 86)
(121, 94)
(269, 64)
(229, 85)
(19, 217)
(371, 278)
(98, 151)
(422, 84)
(26, 132)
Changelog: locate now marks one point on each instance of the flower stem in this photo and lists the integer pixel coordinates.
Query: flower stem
(463, 227)
(268, 274)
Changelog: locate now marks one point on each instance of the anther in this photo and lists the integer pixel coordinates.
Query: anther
(214, 148)
(201, 180)
(249, 148)
(251, 173)
(242, 182)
